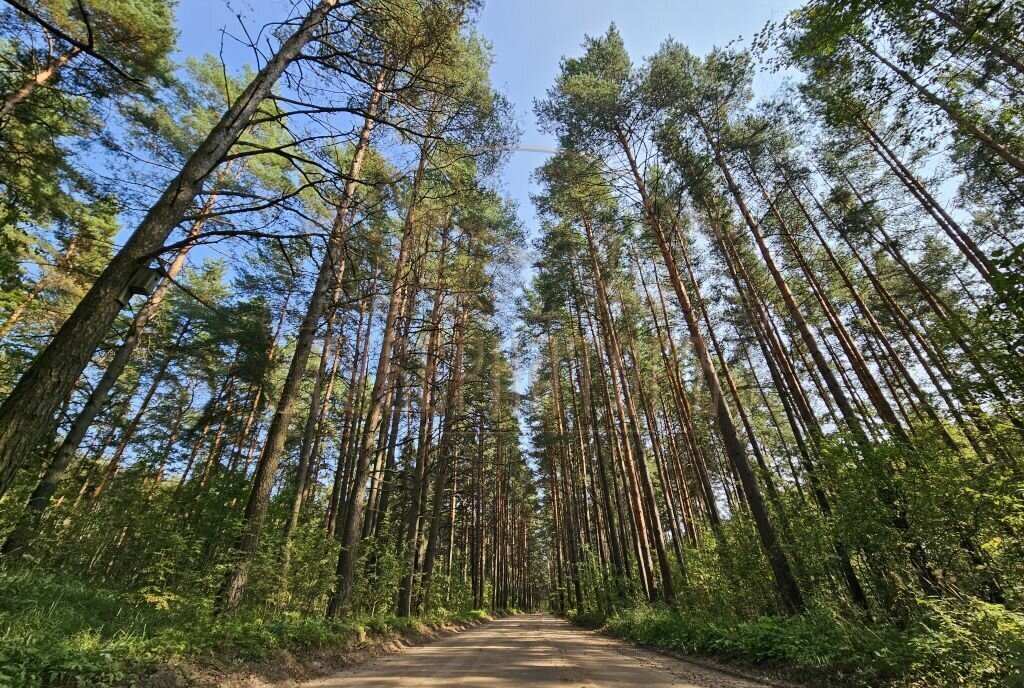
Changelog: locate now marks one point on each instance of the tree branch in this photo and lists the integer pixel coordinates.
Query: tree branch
(85, 47)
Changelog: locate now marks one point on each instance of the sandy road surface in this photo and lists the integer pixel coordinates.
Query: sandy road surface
(535, 650)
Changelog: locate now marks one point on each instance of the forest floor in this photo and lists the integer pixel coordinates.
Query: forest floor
(537, 650)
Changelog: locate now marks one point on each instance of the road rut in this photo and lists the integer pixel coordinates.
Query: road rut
(536, 650)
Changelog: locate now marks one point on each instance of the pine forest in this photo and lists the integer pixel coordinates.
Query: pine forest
(284, 363)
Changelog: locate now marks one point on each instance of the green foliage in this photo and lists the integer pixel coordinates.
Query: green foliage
(961, 643)
(968, 643)
(135, 35)
(914, 492)
(43, 182)
(55, 632)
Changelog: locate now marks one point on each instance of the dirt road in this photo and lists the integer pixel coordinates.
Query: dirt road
(535, 650)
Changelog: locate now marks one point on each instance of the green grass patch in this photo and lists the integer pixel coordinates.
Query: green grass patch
(56, 632)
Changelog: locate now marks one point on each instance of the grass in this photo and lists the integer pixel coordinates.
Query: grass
(962, 643)
(55, 632)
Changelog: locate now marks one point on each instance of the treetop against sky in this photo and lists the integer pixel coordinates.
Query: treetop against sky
(528, 37)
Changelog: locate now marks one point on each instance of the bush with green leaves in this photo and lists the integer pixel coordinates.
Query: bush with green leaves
(57, 632)
(964, 643)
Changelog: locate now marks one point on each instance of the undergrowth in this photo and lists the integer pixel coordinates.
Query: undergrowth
(56, 632)
(963, 643)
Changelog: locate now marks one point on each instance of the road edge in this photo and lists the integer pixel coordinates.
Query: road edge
(291, 668)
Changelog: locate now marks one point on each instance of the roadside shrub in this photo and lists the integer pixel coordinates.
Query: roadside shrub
(961, 643)
(969, 643)
(56, 632)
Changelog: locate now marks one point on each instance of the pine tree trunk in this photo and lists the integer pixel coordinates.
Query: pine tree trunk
(789, 589)
(836, 390)
(310, 432)
(428, 407)
(41, 496)
(331, 270)
(864, 375)
(628, 448)
(959, 118)
(961, 239)
(589, 418)
(452, 413)
(351, 528)
(129, 431)
(27, 414)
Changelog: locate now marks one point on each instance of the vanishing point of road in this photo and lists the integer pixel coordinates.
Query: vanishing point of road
(535, 650)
